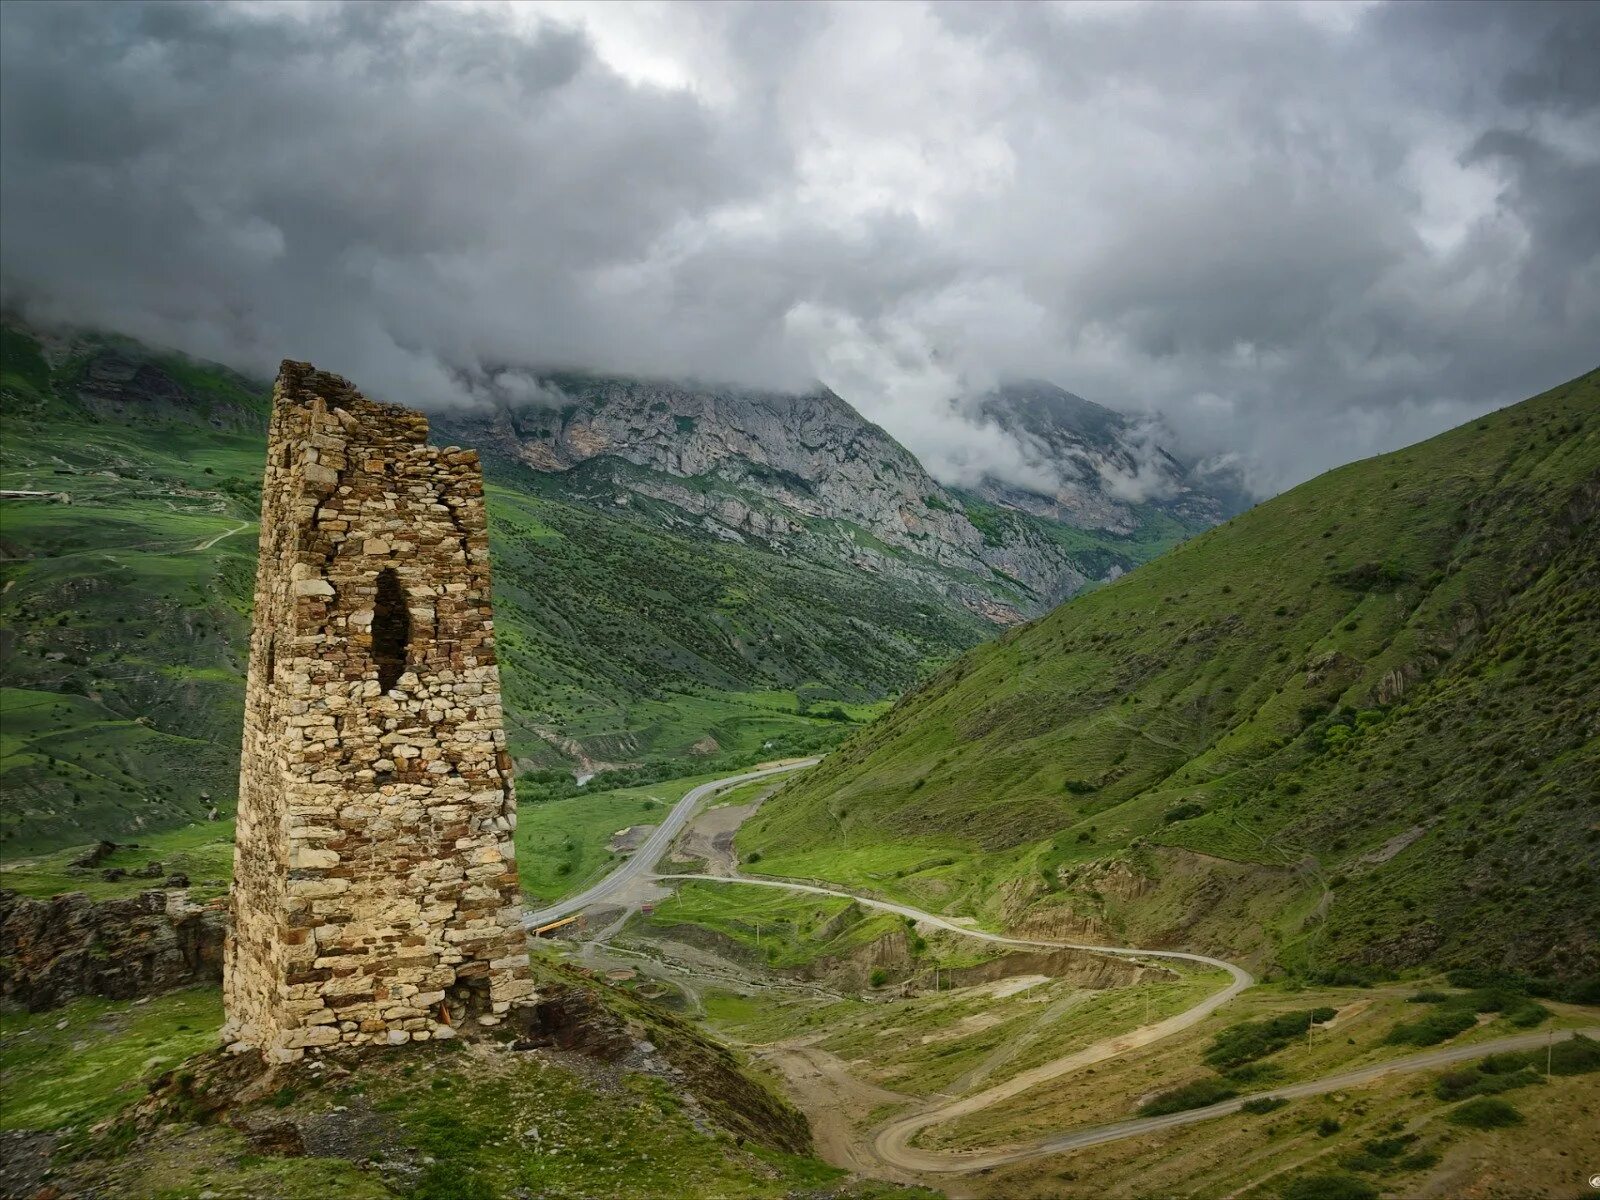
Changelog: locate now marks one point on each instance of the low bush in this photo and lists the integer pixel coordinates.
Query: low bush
(1526, 1016)
(1331, 1185)
(1461, 1085)
(1198, 1094)
(1186, 811)
(1250, 1040)
(1432, 1029)
(1263, 1104)
(1486, 1112)
(1254, 1072)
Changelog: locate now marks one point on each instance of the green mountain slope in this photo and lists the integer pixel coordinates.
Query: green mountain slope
(125, 590)
(1359, 724)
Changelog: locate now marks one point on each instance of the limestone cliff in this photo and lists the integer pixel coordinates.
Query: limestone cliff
(808, 475)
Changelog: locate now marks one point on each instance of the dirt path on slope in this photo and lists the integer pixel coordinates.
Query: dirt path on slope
(837, 1103)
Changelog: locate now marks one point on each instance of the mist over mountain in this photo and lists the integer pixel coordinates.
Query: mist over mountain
(1389, 229)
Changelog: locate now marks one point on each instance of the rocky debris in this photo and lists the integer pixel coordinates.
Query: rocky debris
(95, 855)
(706, 747)
(572, 1019)
(626, 841)
(25, 1163)
(71, 946)
(151, 870)
(180, 880)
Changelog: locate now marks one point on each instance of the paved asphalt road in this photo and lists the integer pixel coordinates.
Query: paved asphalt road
(642, 862)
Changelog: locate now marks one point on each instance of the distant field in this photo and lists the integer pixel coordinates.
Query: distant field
(561, 848)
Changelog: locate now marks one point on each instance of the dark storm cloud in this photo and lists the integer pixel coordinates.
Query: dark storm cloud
(1299, 233)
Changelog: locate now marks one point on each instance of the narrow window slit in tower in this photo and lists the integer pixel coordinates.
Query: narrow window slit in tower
(391, 629)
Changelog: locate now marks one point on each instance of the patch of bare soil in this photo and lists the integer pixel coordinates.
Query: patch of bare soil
(835, 1101)
(710, 837)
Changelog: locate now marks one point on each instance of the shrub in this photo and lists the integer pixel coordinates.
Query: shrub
(1432, 1029)
(1526, 1016)
(1198, 1094)
(1462, 1085)
(1251, 1040)
(1486, 1112)
(1327, 1127)
(1263, 1104)
(1255, 1072)
(1183, 812)
(1079, 787)
(879, 977)
(1427, 997)
(1332, 1185)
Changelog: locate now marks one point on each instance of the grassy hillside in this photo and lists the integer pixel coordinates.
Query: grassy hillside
(650, 1107)
(125, 595)
(1359, 724)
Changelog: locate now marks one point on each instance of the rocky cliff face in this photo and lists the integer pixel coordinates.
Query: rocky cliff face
(121, 380)
(808, 475)
(1106, 470)
(71, 946)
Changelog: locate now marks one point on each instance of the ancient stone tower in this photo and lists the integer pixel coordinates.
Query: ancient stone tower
(375, 895)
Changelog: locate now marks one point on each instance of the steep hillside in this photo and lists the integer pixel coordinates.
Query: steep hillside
(808, 477)
(127, 567)
(1359, 724)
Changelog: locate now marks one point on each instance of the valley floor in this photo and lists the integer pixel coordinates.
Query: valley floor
(1012, 1083)
(925, 1051)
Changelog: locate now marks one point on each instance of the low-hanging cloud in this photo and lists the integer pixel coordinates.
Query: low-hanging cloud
(1299, 233)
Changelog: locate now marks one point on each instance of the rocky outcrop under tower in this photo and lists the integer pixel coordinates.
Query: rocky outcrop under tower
(375, 893)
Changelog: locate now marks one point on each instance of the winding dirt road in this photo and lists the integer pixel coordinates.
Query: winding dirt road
(891, 1147)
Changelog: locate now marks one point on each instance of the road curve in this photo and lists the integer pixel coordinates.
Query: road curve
(642, 862)
(892, 1144)
(895, 1150)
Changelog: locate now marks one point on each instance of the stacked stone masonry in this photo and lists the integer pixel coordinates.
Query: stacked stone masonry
(375, 893)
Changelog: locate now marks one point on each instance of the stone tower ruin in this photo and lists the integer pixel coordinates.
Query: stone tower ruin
(375, 893)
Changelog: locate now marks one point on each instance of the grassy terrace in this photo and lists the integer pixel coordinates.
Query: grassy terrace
(779, 928)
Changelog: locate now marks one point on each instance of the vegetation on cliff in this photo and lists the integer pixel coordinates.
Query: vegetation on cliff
(1353, 728)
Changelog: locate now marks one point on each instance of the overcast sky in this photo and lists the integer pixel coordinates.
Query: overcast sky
(1300, 233)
